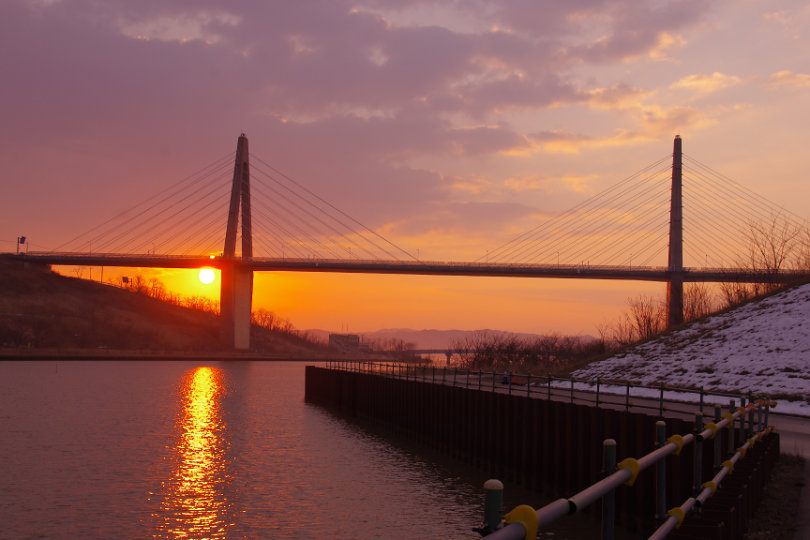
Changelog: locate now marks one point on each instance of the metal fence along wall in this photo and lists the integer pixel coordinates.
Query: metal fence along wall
(552, 447)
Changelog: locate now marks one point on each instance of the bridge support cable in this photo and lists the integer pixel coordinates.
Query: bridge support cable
(709, 240)
(603, 199)
(363, 227)
(328, 235)
(587, 241)
(639, 234)
(120, 231)
(162, 232)
(626, 215)
(340, 228)
(738, 219)
(289, 243)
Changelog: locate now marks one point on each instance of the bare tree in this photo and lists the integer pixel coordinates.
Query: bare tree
(617, 334)
(697, 301)
(271, 321)
(772, 243)
(648, 316)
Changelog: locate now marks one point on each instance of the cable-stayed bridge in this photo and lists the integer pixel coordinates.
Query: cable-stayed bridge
(638, 229)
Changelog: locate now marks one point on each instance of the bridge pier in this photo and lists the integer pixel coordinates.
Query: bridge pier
(236, 302)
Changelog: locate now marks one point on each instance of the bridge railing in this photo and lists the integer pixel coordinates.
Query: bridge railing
(620, 395)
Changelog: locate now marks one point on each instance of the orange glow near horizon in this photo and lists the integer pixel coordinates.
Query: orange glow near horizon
(369, 302)
(362, 302)
(195, 505)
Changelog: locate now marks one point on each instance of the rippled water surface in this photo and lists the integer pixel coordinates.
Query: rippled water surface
(221, 450)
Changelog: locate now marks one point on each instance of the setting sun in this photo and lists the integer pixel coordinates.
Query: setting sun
(207, 276)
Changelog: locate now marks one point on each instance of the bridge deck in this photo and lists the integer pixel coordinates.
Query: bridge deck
(432, 268)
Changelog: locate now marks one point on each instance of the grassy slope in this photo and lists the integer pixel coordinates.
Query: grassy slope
(41, 309)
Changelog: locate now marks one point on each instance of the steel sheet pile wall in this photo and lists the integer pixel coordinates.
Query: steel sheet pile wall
(552, 447)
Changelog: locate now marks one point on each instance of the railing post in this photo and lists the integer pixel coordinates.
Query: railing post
(767, 411)
(661, 403)
(750, 415)
(717, 418)
(493, 501)
(731, 427)
(741, 436)
(701, 400)
(661, 473)
(549, 387)
(609, 500)
(433, 379)
(509, 382)
(598, 381)
(627, 398)
(698, 476)
(454, 377)
(529, 385)
(572, 389)
(494, 376)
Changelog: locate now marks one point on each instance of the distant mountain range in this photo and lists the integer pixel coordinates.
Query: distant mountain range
(423, 339)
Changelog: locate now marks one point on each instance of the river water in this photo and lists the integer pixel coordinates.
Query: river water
(220, 450)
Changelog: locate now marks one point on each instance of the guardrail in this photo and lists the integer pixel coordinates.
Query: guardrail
(523, 522)
(600, 393)
(744, 425)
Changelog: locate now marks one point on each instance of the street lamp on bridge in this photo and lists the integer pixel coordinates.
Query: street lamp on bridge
(21, 240)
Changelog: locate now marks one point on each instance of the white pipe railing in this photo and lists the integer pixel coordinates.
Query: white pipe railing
(628, 470)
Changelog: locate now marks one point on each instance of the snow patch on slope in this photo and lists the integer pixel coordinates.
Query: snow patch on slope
(762, 347)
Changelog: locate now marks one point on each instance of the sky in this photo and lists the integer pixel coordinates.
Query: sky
(448, 127)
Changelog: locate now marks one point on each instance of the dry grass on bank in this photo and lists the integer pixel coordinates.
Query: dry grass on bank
(40, 309)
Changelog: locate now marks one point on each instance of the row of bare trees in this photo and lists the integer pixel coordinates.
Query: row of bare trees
(647, 315)
(154, 288)
(544, 354)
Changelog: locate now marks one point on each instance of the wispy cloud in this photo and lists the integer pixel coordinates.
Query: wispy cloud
(707, 83)
(790, 79)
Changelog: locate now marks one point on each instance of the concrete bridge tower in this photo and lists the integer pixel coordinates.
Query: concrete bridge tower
(236, 289)
(675, 264)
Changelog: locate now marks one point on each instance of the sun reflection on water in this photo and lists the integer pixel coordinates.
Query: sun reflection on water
(196, 504)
